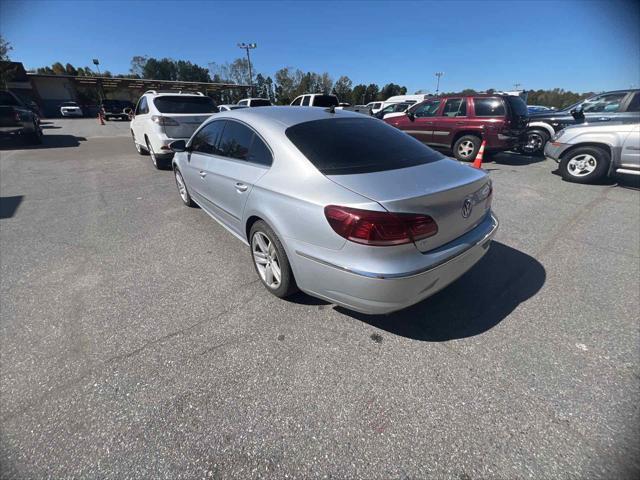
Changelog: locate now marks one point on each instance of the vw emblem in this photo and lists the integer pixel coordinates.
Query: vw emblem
(467, 206)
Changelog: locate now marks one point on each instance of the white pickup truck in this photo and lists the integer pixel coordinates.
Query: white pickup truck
(322, 100)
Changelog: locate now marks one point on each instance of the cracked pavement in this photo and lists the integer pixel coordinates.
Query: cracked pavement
(137, 342)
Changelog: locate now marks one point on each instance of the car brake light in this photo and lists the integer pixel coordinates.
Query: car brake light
(165, 121)
(379, 228)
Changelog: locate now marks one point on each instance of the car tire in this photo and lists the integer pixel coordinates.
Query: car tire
(139, 148)
(466, 148)
(534, 142)
(183, 191)
(158, 161)
(585, 164)
(267, 252)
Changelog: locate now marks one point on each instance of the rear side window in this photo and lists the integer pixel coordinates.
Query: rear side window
(184, 104)
(206, 140)
(489, 107)
(260, 103)
(305, 100)
(455, 107)
(344, 146)
(325, 101)
(241, 143)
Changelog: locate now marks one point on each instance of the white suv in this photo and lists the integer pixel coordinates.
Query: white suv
(162, 117)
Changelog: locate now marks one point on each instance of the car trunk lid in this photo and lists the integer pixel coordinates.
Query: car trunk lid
(444, 190)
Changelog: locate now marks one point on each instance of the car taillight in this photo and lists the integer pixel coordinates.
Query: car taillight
(165, 121)
(379, 228)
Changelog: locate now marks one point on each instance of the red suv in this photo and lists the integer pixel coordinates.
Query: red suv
(460, 123)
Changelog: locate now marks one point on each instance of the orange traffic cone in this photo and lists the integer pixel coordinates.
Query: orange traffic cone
(477, 163)
(101, 118)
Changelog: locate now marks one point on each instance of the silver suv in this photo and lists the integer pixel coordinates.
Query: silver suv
(587, 153)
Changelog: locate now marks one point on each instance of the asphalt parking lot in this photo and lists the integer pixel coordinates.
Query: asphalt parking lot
(137, 341)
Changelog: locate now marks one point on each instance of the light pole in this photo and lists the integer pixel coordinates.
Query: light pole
(247, 47)
(438, 74)
(96, 62)
(517, 85)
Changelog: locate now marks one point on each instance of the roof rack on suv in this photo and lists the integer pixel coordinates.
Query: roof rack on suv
(179, 92)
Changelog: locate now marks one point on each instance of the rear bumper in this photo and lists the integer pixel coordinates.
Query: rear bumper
(374, 293)
(72, 113)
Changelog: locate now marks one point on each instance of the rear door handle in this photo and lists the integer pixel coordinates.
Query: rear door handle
(604, 119)
(459, 123)
(241, 187)
(202, 174)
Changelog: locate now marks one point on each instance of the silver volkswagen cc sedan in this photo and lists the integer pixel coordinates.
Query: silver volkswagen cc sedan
(338, 204)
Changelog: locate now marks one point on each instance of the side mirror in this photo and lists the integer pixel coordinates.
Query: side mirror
(578, 113)
(411, 116)
(178, 146)
(128, 111)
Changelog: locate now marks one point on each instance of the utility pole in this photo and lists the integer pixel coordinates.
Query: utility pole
(247, 47)
(517, 85)
(96, 62)
(438, 74)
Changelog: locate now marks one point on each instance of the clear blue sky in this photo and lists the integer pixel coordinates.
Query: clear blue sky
(576, 45)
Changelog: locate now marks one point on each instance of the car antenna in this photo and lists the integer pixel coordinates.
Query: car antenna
(331, 109)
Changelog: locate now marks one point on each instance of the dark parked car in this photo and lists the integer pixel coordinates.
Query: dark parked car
(116, 109)
(619, 106)
(17, 120)
(460, 123)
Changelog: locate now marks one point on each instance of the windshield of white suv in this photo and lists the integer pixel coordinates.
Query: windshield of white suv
(183, 104)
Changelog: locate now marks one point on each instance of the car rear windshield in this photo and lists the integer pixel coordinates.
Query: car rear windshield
(7, 99)
(181, 104)
(344, 146)
(260, 103)
(518, 106)
(325, 101)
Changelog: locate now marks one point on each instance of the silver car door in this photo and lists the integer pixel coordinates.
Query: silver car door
(202, 147)
(630, 155)
(241, 161)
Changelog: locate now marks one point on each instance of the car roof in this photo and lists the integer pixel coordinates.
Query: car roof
(287, 116)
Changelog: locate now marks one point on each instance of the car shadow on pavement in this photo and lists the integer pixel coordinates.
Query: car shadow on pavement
(48, 141)
(514, 158)
(475, 303)
(9, 205)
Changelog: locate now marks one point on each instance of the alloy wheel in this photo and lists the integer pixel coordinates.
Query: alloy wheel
(466, 148)
(534, 142)
(582, 165)
(182, 188)
(266, 259)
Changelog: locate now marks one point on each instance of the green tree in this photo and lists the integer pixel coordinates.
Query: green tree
(371, 93)
(343, 89)
(286, 85)
(70, 70)
(390, 90)
(358, 95)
